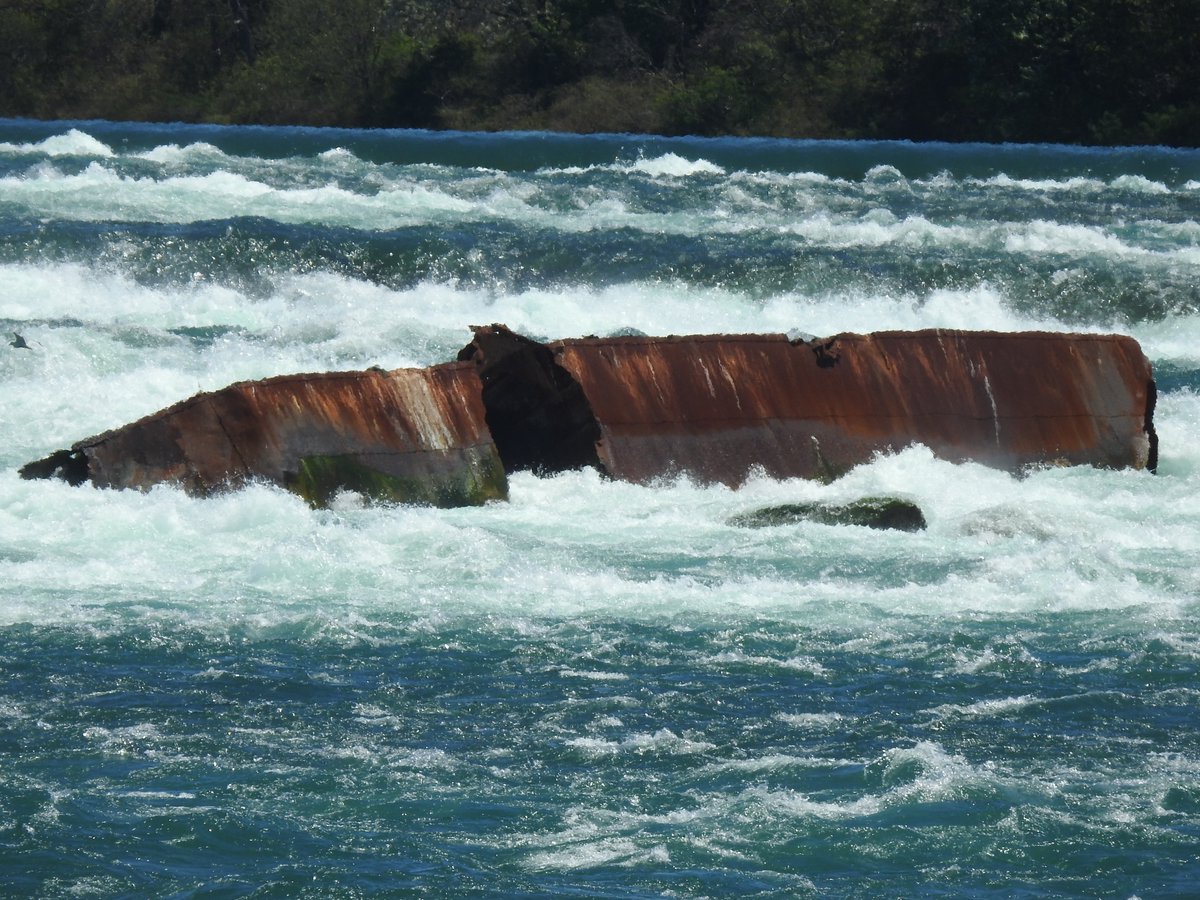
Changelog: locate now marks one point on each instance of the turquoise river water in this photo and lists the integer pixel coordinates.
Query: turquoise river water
(594, 689)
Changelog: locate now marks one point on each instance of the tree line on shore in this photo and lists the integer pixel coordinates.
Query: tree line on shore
(1066, 71)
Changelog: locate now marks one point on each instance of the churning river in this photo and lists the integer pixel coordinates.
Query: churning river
(595, 688)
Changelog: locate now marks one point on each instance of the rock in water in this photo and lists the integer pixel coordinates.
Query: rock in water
(870, 512)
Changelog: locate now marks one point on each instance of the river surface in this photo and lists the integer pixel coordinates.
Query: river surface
(595, 688)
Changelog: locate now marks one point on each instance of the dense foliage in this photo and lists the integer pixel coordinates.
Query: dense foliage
(1102, 71)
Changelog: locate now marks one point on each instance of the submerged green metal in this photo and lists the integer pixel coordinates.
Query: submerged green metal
(320, 478)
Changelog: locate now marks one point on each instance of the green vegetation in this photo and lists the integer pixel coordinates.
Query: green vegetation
(1098, 72)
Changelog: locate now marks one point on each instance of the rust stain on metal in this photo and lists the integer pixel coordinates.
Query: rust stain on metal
(1005, 400)
(718, 407)
(407, 426)
(715, 407)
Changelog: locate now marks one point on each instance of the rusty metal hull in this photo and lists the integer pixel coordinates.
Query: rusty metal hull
(716, 408)
(719, 407)
(409, 435)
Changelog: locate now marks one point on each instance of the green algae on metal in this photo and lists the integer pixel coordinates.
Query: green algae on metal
(476, 480)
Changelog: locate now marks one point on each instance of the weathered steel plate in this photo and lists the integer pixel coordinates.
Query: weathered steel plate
(716, 408)
(720, 407)
(409, 435)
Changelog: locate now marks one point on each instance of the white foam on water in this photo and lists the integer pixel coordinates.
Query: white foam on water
(72, 143)
(335, 188)
(900, 777)
(100, 193)
(987, 709)
(1074, 184)
(1081, 185)
(621, 852)
(825, 721)
(881, 229)
(1139, 184)
(886, 176)
(355, 310)
(786, 179)
(159, 795)
(176, 154)
(284, 190)
(11, 711)
(753, 818)
(593, 675)
(1177, 422)
(576, 546)
(982, 307)
(806, 665)
(671, 165)
(664, 741)
(594, 837)
(106, 295)
(109, 349)
(1174, 339)
(776, 762)
(1067, 239)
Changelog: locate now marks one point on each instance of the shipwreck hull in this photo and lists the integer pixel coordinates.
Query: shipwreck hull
(715, 408)
(409, 435)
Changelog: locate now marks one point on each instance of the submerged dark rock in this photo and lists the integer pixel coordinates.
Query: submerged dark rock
(870, 512)
(716, 408)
